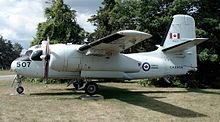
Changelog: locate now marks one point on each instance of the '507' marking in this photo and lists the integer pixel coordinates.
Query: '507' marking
(23, 64)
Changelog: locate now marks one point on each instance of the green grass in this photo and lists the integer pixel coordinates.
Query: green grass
(123, 102)
(6, 72)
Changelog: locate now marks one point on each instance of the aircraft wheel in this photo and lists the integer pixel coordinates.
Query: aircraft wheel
(91, 88)
(20, 90)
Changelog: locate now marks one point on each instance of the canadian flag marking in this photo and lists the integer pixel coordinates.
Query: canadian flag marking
(174, 35)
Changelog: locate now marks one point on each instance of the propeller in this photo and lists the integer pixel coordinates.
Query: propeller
(46, 56)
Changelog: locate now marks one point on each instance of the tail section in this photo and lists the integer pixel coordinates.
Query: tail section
(181, 38)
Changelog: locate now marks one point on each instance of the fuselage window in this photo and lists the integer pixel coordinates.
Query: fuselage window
(36, 55)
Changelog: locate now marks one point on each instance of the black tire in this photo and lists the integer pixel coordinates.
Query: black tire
(91, 88)
(20, 90)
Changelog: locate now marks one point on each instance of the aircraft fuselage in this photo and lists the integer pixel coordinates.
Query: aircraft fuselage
(67, 63)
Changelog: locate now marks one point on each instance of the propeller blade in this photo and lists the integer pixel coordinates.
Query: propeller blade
(46, 56)
(46, 68)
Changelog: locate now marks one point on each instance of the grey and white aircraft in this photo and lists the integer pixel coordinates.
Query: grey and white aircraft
(102, 59)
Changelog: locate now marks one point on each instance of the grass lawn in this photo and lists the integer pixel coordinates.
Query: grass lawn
(123, 102)
(6, 72)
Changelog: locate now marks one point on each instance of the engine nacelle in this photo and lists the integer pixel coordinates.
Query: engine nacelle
(65, 58)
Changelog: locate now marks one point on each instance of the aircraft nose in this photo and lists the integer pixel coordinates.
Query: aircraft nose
(13, 66)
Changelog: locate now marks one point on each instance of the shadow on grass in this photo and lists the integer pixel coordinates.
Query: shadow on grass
(138, 99)
(56, 93)
(203, 91)
(188, 91)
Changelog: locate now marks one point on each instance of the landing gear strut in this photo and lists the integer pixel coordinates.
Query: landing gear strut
(78, 84)
(17, 84)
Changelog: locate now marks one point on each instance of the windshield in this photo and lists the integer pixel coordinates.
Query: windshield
(36, 55)
(28, 53)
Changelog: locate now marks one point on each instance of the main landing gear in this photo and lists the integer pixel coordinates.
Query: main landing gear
(17, 84)
(91, 88)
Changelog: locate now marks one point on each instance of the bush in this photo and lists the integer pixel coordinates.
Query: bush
(46, 81)
(185, 81)
(145, 82)
(159, 82)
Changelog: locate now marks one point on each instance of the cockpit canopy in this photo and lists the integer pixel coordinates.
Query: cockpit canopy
(28, 52)
(36, 55)
(32, 53)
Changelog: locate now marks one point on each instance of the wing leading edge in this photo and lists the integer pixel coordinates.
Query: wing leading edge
(116, 42)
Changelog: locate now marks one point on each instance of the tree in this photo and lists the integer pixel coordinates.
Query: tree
(61, 25)
(102, 20)
(17, 48)
(208, 25)
(8, 52)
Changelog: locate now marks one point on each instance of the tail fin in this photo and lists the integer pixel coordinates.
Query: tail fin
(182, 27)
(181, 38)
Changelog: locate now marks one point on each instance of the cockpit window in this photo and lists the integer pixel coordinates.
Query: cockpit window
(28, 53)
(36, 55)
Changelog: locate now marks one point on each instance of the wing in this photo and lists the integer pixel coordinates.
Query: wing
(114, 43)
(185, 45)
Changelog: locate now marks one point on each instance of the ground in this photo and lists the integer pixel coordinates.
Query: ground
(123, 102)
(6, 72)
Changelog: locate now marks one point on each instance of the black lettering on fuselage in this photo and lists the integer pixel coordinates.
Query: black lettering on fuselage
(176, 67)
(23, 64)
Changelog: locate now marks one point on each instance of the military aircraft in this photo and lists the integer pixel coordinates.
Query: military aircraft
(102, 59)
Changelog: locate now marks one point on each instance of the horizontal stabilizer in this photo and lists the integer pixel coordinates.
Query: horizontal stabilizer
(185, 45)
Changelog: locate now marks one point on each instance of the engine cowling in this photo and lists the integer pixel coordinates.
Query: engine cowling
(64, 58)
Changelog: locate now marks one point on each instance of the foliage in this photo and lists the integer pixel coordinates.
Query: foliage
(101, 20)
(160, 82)
(45, 81)
(145, 82)
(208, 16)
(208, 55)
(186, 81)
(61, 25)
(8, 52)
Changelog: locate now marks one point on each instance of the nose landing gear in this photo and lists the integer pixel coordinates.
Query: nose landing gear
(17, 84)
(20, 90)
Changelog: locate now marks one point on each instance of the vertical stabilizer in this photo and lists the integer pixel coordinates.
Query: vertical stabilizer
(181, 29)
